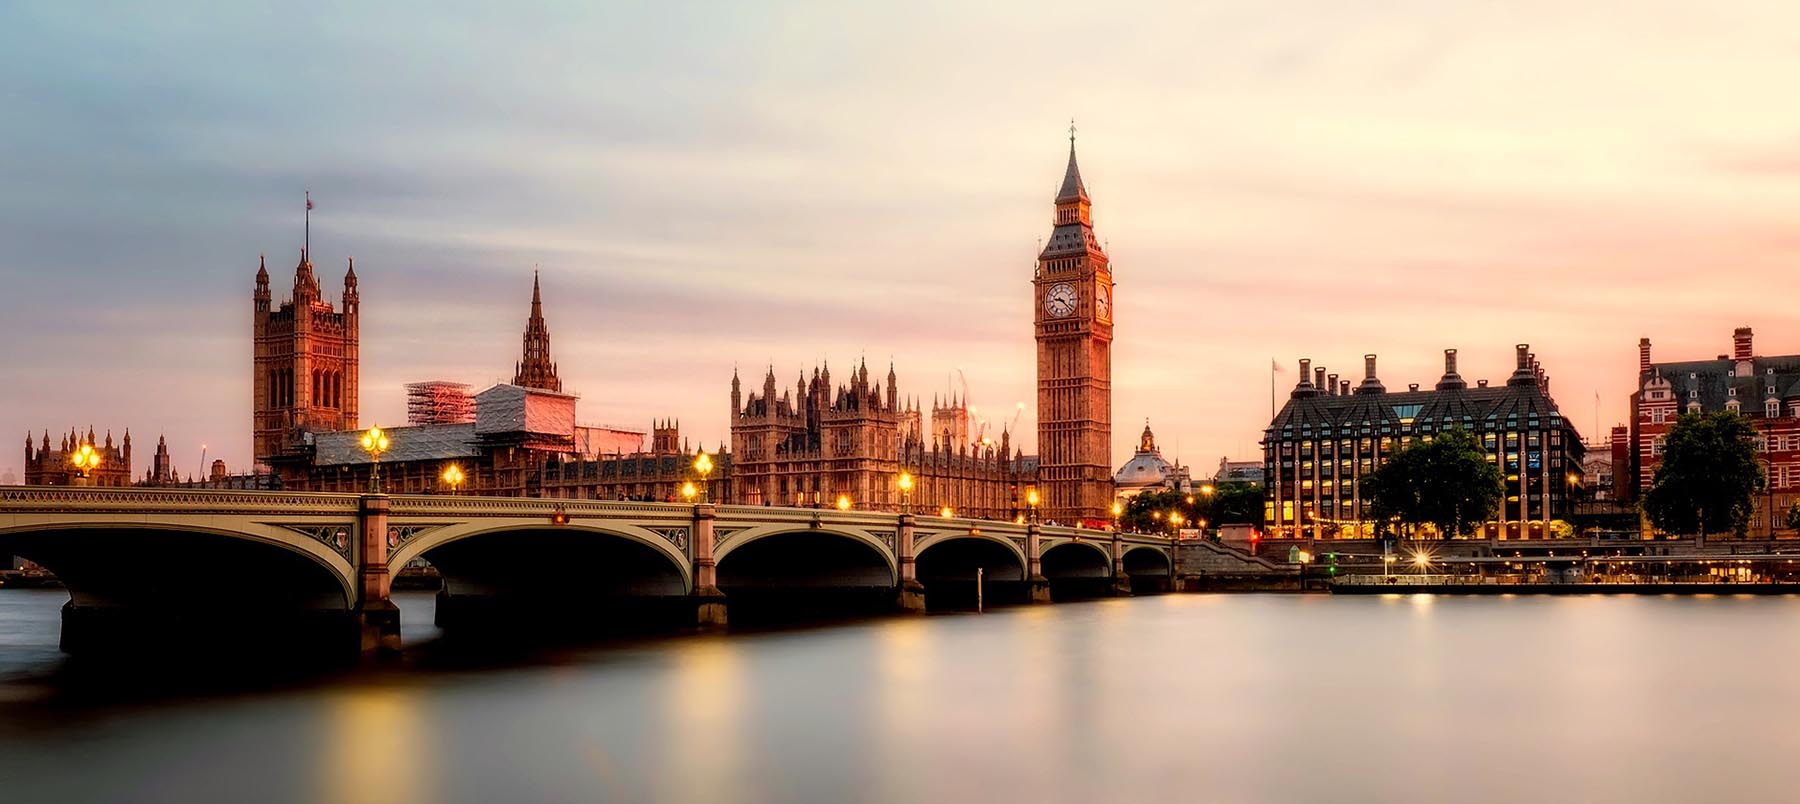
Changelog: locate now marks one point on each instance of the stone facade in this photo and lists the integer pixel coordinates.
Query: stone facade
(50, 467)
(305, 374)
(1072, 294)
(815, 445)
(1764, 389)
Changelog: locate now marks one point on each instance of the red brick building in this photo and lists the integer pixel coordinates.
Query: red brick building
(1764, 389)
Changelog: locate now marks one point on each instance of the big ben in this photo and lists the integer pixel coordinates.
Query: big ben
(1072, 293)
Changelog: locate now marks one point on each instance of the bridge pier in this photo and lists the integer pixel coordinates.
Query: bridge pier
(1121, 584)
(709, 601)
(909, 596)
(377, 618)
(1037, 587)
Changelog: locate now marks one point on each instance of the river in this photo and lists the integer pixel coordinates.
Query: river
(1216, 698)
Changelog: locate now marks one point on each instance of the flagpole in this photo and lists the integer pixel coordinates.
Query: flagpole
(306, 241)
(1271, 389)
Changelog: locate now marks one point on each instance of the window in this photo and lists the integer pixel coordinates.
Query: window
(1772, 408)
(1693, 407)
(1659, 417)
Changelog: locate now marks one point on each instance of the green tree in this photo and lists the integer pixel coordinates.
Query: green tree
(1446, 482)
(1708, 477)
(1793, 516)
(1229, 503)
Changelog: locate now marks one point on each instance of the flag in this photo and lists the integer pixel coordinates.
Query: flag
(309, 202)
(1274, 366)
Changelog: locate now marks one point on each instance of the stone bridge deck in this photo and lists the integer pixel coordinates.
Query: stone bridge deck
(132, 551)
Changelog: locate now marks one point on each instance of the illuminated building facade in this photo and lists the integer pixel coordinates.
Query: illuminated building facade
(1328, 437)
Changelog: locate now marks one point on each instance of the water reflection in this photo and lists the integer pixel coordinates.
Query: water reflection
(1182, 698)
(377, 748)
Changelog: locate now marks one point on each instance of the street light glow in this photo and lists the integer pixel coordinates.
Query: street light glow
(843, 502)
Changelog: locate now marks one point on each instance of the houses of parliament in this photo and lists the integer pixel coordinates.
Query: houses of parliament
(811, 443)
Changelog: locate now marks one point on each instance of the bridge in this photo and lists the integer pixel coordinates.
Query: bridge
(295, 570)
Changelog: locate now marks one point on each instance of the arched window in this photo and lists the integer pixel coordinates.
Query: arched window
(316, 396)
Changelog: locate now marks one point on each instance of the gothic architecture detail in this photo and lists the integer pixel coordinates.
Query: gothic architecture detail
(51, 467)
(1072, 296)
(811, 444)
(305, 353)
(535, 369)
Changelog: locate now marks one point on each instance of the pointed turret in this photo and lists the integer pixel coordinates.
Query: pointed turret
(350, 295)
(536, 370)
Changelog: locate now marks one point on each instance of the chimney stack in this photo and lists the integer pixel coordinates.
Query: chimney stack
(1319, 377)
(1370, 385)
(1344, 388)
(1305, 371)
(1451, 380)
(1331, 386)
(1740, 344)
(1643, 356)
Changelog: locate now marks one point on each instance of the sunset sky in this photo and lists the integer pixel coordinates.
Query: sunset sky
(713, 185)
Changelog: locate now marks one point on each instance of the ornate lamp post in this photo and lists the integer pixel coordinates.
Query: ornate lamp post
(688, 491)
(703, 464)
(1118, 510)
(453, 477)
(375, 442)
(906, 485)
(843, 502)
(946, 512)
(1031, 501)
(85, 460)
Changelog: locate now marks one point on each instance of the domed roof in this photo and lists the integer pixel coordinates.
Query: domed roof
(1146, 468)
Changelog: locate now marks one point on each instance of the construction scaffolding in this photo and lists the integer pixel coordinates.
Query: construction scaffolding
(439, 402)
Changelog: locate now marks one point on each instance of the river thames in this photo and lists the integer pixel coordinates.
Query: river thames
(1219, 698)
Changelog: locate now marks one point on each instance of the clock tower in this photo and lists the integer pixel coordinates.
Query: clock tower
(1072, 294)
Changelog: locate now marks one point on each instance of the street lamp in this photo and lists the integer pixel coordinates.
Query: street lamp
(1118, 510)
(453, 477)
(843, 502)
(1207, 489)
(1175, 524)
(375, 442)
(906, 486)
(85, 460)
(688, 491)
(946, 512)
(704, 465)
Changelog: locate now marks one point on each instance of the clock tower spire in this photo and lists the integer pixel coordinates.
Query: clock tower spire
(1072, 295)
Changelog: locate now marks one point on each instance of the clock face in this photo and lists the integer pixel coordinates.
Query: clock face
(1102, 302)
(1060, 300)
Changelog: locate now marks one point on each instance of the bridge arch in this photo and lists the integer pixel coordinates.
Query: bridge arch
(56, 545)
(434, 538)
(1146, 560)
(788, 572)
(938, 539)
(194, 588)
(739, 540)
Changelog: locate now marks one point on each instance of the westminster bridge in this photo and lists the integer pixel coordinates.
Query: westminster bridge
(155, 567)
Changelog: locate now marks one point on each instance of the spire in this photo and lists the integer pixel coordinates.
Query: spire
(1072, 188)
(536, 370)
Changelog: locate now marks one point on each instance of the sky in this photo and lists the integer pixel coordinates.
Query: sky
(716, 186)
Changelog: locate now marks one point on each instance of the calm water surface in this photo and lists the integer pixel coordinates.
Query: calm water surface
(1187, 698)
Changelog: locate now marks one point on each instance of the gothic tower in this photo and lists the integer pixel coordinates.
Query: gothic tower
(1073, 298)
(536, 370)
(305, 356)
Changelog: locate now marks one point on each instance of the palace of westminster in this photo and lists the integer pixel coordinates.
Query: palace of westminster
(811, 443)
(825, 442)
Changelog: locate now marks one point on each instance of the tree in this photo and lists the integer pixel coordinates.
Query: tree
(1230, 503)
(1708, 477)
(1793, 516)
(1446, 482)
